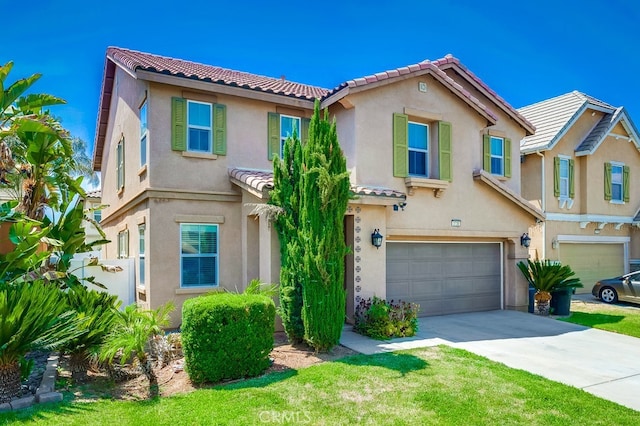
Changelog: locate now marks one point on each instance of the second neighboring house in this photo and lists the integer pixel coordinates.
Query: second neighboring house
(581, 168)
(186, 149)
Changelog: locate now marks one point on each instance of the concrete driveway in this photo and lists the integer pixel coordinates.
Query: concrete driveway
(602, 363)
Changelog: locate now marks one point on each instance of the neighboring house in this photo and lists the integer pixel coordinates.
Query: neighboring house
(185, 153)
(93, 201)
(581, 168)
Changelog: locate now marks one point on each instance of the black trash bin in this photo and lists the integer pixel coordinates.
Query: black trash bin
(532, 293)
(561, 301)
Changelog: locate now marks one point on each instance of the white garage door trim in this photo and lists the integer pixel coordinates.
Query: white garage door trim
(501, 245)
(588, 239)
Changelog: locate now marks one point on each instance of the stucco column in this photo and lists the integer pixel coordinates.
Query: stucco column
(516, 293)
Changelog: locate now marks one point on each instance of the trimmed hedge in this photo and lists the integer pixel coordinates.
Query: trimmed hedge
(227, 336)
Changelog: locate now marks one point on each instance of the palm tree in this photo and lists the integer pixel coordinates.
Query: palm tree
(32, 316)
(132, 336)
(547, 276)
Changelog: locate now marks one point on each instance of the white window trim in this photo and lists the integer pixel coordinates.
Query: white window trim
(142, 248)
(621, 165)
(123, 244)
(283, 139)
(144, 135)
(426, 151)
(501, 157)
(193, 126)
(216, 256)
(120, 164)
(565, 201)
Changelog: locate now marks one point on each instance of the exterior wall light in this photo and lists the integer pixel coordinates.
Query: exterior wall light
(376, 238)
(525, 240)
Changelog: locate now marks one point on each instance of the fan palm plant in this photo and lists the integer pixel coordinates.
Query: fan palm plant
(97, 311)
(547, 276)
(132, 335)
(32, 316)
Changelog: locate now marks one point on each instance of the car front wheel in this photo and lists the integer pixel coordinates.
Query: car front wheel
(608, 295)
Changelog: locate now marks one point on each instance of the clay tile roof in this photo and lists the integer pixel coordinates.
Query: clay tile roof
(430, 66)
(134, 60)
(260, 182)
(96, 193)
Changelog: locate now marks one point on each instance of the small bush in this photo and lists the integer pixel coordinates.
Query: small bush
(227, 336)
(381, 320)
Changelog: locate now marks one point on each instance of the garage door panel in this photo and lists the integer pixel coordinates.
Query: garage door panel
(592, 262)
(426, 269)
(445, 277)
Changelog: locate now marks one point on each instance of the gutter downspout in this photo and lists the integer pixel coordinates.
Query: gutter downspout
(543, 205)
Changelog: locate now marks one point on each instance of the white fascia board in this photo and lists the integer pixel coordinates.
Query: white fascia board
(594, 239)
(568, 217)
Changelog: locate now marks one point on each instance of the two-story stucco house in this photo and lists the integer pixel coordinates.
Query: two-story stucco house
(186, 151)
(579, 168)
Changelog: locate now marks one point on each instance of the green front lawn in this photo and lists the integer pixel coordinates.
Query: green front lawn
(605, 317)
(426, 386)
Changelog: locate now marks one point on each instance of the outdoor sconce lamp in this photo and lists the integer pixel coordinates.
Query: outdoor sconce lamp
(376, 238)
(525, 241)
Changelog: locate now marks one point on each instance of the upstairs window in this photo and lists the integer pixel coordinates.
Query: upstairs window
(198, 127)
(120, 165)
(143, 134)
(422, 149)
(288, 126)
(418, 149)
(563, 178)
(280, 127)
(497, 155)
(616, 182)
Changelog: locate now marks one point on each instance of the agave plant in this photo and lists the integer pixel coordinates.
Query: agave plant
(133, 335)
(96, 312)
(547, 276)
(32, 316)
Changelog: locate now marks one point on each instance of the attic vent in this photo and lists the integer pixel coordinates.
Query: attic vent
(422, 86)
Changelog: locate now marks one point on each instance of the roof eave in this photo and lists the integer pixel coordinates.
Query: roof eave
(485, 177)
(509, 110)
(103, 113)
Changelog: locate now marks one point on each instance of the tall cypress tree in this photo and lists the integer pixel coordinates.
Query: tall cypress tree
(286, 195)
(323, 203)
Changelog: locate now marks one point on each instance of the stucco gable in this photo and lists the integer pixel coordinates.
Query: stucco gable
(604, 127)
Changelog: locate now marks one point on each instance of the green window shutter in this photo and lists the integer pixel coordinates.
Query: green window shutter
(119, 166)
(625, 184)
(607, 181)
(273, 136)
(304, 133)
(556, 176)
(486, 153)
(572, 181)
(400, 145)
(507, 158)
(178, 124)
(445, 158)
(219, 129)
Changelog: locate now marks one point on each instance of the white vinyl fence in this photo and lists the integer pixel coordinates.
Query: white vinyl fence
(122, 283)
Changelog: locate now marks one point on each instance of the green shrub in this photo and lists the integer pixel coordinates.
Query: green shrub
(380, 319)
(227, 336)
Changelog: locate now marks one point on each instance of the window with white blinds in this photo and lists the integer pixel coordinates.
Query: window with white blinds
(198, 255)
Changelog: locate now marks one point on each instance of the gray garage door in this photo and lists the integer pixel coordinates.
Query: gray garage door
(445, 278)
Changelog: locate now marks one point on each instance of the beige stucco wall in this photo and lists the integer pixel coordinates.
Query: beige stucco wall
(200, 189)
(589, 199)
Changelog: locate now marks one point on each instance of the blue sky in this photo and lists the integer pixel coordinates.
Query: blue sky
(526, 51)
